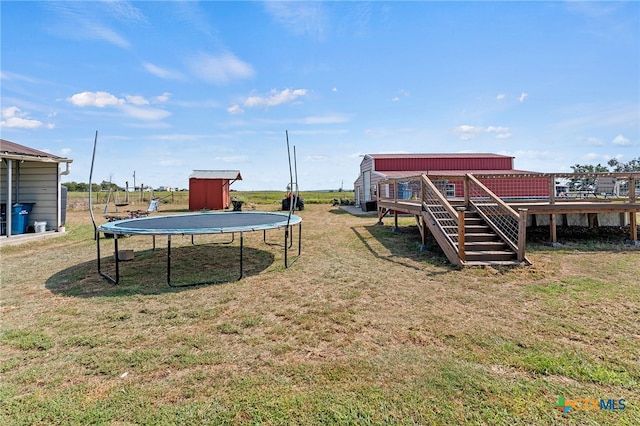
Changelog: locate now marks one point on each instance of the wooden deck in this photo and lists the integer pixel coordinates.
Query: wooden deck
(450, 219)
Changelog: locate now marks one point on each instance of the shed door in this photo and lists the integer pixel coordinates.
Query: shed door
(366, 185)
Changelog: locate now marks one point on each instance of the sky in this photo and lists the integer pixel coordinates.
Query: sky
(177, 86)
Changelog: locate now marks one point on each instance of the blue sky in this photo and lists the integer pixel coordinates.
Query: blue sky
(173, 87)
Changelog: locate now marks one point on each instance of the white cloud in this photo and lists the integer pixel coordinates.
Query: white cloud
(87, 20)
(232, 159)
(592, 157)
(325, 119)
(335, 89)
(523, 96)
(12, 117)
(403, 93)
(469, 132)
(501, 96)
(137, 100)
(301, 18)
(274, 98)
(125, 11)
(235, 109)
(163, 73)
(593, 141)
(100, 32)
(621, 141)
(149, 114)
(96, 99)
(133, 106)
(316, 158)
(162, 98)
(4, 75)
(221, 69)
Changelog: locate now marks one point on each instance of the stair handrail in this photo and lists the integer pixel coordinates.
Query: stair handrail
(438, 195)
(494, 197)
(428, 187)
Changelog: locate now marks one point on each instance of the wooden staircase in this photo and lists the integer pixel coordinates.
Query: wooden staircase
(483, 246)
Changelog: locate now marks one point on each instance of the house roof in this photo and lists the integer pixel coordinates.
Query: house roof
(216, 174)
(441, 155)
(14, 151)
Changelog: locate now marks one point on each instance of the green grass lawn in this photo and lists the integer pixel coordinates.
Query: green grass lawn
(365, 328)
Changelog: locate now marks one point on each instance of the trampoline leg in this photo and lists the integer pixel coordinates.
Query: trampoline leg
(102, 274)
(233, 238)
(169, 260)
(264, 238)
(288, 243)
(241, 257)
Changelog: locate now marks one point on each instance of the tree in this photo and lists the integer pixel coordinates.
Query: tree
(585, 184)
(631, 166)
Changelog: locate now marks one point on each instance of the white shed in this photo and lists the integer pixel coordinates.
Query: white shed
(30, 181)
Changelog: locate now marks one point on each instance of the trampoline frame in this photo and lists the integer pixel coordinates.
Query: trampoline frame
(116, 229)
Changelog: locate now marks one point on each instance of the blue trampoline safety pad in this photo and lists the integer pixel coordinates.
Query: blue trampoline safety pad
(201, 223)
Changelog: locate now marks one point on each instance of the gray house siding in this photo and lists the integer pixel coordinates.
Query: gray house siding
(32, 183)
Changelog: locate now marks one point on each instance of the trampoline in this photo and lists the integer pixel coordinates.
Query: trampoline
(199, 224)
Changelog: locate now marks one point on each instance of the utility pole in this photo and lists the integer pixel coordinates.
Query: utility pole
(134, 180)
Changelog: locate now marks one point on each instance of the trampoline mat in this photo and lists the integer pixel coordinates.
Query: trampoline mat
(201, 223)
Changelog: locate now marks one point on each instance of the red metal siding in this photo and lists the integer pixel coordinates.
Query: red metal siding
(510, 187)
(435, 164)
(529, 187)
(210, 194)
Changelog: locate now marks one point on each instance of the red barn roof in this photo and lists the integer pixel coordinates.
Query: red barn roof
(423, 163)
(441, 155)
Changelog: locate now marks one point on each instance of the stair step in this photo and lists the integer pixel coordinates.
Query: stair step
(484, 246)
(479, 237)
(473, 221)
(490, 255)
(493, 263)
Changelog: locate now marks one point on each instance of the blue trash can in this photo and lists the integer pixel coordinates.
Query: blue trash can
(403, 191)
(19, 219)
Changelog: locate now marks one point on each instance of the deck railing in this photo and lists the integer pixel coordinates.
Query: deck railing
(490, 193)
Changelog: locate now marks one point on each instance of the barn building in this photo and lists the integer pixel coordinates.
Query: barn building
(377, 167)
(209, 189)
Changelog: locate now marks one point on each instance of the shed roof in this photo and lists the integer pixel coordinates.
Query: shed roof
(216, 174)
(16, 151)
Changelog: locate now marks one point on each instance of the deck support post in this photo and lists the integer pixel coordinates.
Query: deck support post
(522, 234)
(633, 226)
(467, 191)
(552, 228)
